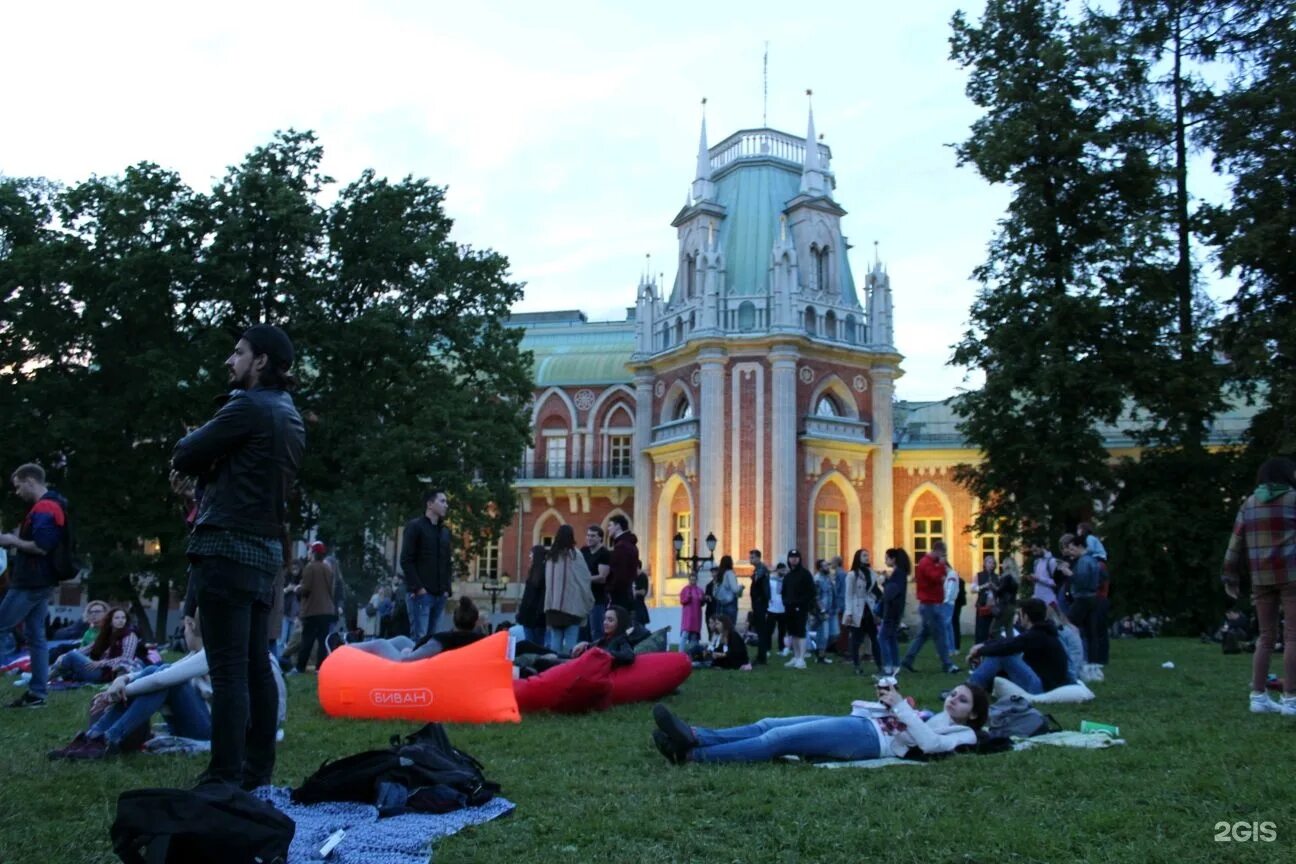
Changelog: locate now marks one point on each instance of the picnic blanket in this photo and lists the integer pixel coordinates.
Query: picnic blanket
(404, 839)
(1080, 740)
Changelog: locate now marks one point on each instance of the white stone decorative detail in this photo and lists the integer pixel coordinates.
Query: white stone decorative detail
(860, 383)
(660, 389)
(584, 399)
(806, 374)
(696, 378)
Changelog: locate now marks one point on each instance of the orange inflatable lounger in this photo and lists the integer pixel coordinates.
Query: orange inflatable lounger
(473, 684)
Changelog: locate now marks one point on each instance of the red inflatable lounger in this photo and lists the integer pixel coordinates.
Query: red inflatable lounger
(589, 683)
(473, 684)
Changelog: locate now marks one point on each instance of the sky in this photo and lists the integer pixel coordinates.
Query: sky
(566, 132)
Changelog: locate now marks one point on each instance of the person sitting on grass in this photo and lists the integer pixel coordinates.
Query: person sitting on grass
(1035, 660)
(616, 621)
(866, 733)
(728, 650)
(114, 652)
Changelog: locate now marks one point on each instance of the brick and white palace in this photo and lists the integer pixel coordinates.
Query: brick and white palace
(755, 400)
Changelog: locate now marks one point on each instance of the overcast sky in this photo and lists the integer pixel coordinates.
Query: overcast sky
(566, 132)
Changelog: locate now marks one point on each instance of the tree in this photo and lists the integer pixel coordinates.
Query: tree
(1041, 327)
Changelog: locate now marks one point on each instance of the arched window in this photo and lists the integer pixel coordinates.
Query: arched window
(811, 320)
(821, 268)
(827, 407)
(830, 325)
(747, 315)
(666, 340)
(679, 330)
(850, 335)
(690, 276)
(692, 321)
(683, 409)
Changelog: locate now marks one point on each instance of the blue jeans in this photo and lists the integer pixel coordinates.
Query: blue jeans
(889, 644)
(561, 640)
(534, 634)
(596, 620)
(933, 625)
(947, 615)
(424, 613)
(28, 606)
(730, 609)
(832, 737)
(188, 718)
(79, 667)
(1012, 667)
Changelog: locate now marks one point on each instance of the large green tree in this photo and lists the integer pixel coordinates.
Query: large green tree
(122, 297)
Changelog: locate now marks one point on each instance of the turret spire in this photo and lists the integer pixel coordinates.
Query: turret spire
(703, 188)
(813, 181)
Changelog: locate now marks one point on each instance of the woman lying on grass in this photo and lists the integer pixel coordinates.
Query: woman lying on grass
(867, 733)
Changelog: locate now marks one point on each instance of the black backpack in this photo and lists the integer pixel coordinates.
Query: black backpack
(425, 773)
(211, 824)
(63, 559)
(1013, 717)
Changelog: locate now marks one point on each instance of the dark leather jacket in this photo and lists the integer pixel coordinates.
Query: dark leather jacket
(425, 556)
(246, 457)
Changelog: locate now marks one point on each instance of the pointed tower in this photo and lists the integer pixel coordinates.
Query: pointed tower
(813, 179)
(877, 290)
(703, 188)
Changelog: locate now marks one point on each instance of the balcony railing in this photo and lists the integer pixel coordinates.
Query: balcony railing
(676, 430)
(611, 469)
(837, 428)
(763, 143)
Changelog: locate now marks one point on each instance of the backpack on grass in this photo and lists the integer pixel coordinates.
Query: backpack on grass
(211, 824)
(425, 773)
(1014, 717)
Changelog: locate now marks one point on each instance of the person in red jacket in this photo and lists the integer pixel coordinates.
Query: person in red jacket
(929, 578)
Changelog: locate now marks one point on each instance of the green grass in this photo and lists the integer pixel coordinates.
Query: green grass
(592, 789)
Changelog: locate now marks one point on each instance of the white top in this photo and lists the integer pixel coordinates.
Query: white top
(951, 586)
(776, 595)
(937, 735)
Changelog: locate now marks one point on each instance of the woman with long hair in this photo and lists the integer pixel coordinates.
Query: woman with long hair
(114, 651)
(862, 591)
(727, 590)
(568, 595)
(531, 610)
(890, 727)
(1006, 596)
(893, 603)
(983, 588)
(616, 623)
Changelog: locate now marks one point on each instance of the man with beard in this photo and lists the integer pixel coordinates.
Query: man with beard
(245, 458)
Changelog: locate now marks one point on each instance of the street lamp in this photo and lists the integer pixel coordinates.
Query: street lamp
(694, 561)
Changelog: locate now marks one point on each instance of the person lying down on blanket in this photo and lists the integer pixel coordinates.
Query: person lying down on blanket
(180, 690)
(870, 731)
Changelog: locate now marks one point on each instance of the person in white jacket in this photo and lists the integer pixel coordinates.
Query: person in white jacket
(890, 727)
(181, 690)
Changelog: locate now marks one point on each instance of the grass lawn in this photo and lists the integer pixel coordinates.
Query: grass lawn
(594, 789)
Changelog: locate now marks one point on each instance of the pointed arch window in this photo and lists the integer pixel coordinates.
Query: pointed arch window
(830, 325)
(679, 330)
(821, 267)
(690, 276)
(827, 406)
(811, 320)
(683, 409)
(851, 335)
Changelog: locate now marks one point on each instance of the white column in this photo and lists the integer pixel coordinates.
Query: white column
(643, 467)
(883, 503)
(783, 461)
(711, 431)
(577, 465)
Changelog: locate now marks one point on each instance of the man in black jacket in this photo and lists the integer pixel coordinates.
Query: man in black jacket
(799, 598)
(1034, 661)
(425, 564)
(760, 600)
(246, 459)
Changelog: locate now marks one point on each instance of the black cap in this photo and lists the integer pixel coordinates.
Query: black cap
(792, 552)
(269, 340)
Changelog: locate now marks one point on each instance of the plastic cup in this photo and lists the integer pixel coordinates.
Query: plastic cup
(1089, 727)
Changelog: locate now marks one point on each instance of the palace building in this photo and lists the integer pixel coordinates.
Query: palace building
(754, 400)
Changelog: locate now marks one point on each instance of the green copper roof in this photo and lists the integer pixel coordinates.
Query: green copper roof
(581, 353)
(755, 192)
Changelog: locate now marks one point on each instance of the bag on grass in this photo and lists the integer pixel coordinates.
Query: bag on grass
(211, 824)
(426, 774)
(1014, 717)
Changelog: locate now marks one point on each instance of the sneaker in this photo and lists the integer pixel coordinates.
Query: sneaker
(952, 669)
(28, 700)
(1288, 706)
(786, 652)
(679, 734)
(94, 748)
(664, 746)
(798, 664)
(1262, 704)
(791, 663)
(64, 752)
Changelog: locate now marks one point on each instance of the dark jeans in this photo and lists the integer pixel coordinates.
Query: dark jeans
(866, 630)
(234, 607)
(955, 629)
(1084, 615)
(1102, 632)
(761, 624)
(314, 629)
(775, 621)
(983, 623)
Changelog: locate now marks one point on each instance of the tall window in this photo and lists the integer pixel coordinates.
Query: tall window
(619, 461)
(827, 533)
(926, 532)
(690, 284)
(556, 456)
(684, 528)
(488, 562)
(821, 268)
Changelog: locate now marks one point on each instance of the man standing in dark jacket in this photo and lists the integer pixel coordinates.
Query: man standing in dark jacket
(425, 564)
(1035, 661)
(27, 600)
(246, 459)
(624, 563)
(799, 598)
(760, 599)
